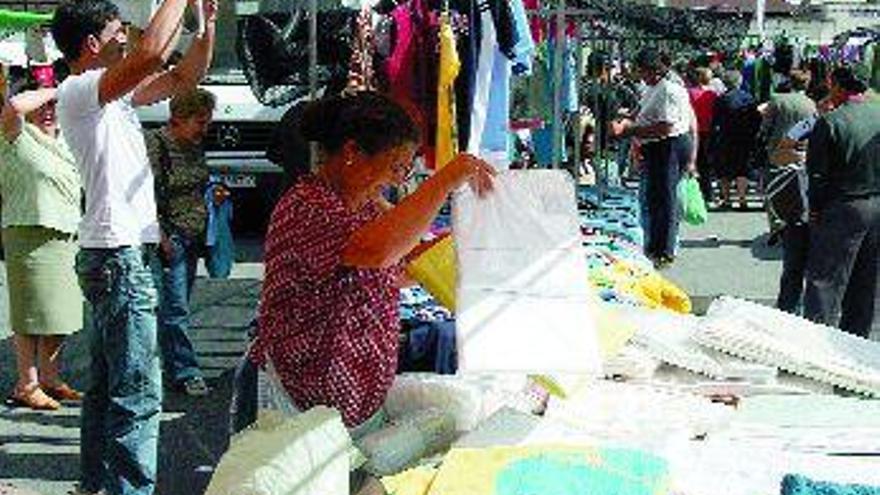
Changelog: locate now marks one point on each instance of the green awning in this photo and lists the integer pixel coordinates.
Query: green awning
(11, 20)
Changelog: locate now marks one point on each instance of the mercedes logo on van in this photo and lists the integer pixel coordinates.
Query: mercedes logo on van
(228, 136)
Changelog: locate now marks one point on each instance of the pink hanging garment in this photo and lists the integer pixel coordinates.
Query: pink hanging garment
(400, 63)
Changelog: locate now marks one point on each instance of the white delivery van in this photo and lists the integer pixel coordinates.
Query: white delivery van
(241, 130)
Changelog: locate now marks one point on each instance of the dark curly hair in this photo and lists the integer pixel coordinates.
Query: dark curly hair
(76, 20)
(652, 59)
(375, 122)
(853, 78)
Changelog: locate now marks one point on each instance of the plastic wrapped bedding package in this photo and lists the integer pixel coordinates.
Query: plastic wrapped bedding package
(524, 302)
(764, 335)
(469, 399)
(307, 454)
(400, 445)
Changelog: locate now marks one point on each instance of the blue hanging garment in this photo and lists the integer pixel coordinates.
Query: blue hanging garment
(218, 237)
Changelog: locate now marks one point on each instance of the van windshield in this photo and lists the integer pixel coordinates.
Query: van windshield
(226, 69)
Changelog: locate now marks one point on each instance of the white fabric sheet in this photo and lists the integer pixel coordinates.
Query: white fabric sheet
(524, 301)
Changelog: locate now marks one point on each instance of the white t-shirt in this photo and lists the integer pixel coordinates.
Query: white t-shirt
(667, 101)
(108, 145)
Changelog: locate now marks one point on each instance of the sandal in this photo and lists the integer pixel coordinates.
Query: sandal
(33, 398)
(62, 392)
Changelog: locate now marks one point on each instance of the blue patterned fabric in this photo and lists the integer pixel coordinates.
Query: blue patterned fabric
(796, 484)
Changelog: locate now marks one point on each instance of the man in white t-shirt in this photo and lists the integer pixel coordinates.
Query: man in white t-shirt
(667, 129)
(119, 230)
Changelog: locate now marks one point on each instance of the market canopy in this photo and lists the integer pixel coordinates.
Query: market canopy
(688, 28)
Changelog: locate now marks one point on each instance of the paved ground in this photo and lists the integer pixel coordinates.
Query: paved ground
(39, 451)
(728, 255)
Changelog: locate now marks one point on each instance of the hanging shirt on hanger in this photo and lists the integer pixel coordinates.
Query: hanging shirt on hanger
(524, 49)
(360, 71)
(412, 69)
(505, 27)
(467, 31)
(447, 146)
(485, 64)
(495, 142)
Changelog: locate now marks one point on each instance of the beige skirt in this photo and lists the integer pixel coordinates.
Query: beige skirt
(44, 294)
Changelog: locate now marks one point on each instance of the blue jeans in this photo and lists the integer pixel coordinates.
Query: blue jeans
(178, 276)
(123, 400)
(664, 163)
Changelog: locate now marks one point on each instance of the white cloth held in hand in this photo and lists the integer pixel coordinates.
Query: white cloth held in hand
(524, 301)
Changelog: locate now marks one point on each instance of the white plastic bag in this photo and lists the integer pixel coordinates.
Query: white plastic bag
(470, 399)
(523, 299)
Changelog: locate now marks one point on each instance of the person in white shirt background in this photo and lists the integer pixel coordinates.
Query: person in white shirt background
(119, 229)
(666, 127)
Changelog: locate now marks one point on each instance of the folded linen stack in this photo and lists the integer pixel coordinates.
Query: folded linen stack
(640, 415)
(769, 336)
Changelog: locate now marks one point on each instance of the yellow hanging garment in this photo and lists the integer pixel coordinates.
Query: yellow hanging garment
(447, 142)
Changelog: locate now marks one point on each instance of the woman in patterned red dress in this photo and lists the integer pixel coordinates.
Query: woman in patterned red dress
(329, 307)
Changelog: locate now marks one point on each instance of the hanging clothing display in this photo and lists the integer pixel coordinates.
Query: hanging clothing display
(450, 65)
(542, 93)
(495, 143)
(360, 72)
(413, 68)
(483, 81)
(490, 111)
(409, 61)
(489, 38)
(524, 48)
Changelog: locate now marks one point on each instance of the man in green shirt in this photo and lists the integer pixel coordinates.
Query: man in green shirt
(178, 161)
(843, 164)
